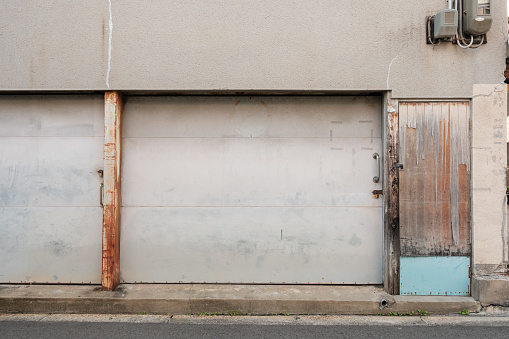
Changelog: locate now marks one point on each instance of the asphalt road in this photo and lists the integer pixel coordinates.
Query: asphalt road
(255, 329)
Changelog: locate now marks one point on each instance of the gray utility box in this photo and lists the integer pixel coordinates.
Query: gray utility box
(477, 16)
(445, 24)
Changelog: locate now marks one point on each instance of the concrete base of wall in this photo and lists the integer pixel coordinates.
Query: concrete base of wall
(485, 269)
(498, 311)
(222, 299)
(491, 289)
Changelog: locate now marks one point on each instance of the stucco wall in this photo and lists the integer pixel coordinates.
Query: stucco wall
(240, 45)
(489, 224)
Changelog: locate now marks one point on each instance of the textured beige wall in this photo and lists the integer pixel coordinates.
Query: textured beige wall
(489, 159)
(240, 45)
(55, 44)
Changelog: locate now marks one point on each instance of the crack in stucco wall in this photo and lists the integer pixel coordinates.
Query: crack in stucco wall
(389, 70)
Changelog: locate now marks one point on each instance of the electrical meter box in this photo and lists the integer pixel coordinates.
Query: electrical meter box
(445, 24)
(477, 16)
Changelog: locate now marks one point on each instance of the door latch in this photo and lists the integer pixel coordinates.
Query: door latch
(377, 193)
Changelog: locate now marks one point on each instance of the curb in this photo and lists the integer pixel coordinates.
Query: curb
(224, 299)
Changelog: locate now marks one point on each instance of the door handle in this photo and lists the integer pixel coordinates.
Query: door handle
(377, 157)
(101, 189)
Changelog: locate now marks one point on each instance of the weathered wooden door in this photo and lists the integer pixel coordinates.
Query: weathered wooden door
(434, 197)
(251, 189)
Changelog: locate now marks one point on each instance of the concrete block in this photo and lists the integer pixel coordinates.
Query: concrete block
(491, 290)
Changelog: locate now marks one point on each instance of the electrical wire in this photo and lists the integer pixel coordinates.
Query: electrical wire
(482, 42)
(467, 46)
(460, 38)
(429, 34)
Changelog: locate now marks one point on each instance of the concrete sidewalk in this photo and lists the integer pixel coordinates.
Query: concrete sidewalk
(182, 299)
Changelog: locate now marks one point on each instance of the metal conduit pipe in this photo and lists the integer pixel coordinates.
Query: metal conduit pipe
(460, 36)
(460, 22)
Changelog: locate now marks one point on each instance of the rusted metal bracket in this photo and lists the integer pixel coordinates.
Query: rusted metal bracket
(377, 193)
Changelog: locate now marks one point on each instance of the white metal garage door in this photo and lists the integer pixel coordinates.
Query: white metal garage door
(251, 189)
(50, 217)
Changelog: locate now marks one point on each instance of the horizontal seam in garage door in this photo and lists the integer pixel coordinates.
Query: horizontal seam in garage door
(243, 206)
(256, 137)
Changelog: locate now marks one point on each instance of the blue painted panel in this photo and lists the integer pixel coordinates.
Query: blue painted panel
(434, 276)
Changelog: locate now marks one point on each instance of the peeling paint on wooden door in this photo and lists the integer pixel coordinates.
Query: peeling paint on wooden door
(435, 182)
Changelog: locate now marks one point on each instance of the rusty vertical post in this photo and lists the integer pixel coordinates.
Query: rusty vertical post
(391, 194)
(111, 200)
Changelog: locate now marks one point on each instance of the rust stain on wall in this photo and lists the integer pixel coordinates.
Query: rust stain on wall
(112, 203)
(434, 185)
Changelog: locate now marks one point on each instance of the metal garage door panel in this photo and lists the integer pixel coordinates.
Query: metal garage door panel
(51, 244)
(242, 116)
(50, 218)
(52, 116)
(249, 172)
(50, 171)
(222, 191)
(252, 244)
